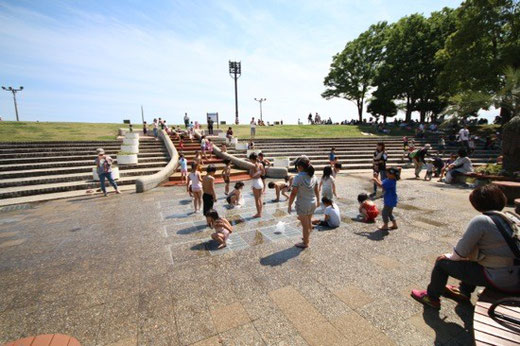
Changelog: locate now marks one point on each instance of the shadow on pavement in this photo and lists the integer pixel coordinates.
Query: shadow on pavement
(280, 257)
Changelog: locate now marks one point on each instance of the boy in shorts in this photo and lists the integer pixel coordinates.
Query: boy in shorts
(209, 197)
(226, 172)
(279, 187)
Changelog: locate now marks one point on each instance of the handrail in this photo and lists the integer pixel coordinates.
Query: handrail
(151, 181)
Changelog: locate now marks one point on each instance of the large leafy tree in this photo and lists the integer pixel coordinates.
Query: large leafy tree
(382, 105)
(352, 71)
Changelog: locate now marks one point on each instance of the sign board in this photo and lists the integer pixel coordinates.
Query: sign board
(126, 121)
(214, 117)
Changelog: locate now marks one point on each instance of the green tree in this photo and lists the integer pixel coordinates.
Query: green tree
(381, 105)
(508, 98)
(352, 71)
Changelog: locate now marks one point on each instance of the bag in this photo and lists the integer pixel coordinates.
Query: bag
(508, 224)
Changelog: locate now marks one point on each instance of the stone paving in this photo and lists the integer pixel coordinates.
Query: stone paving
(140, 269)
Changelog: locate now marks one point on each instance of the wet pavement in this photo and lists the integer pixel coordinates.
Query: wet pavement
(141, 269)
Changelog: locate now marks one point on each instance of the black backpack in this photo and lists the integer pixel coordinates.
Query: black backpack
(508, 223)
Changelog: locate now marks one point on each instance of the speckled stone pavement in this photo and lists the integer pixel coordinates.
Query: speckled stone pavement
(140, 269)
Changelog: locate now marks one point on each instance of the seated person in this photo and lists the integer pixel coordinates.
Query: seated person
(278, 187)
(448, 162)
(332, 215)
(482, 257)
(461, 166)
(367, 208)
(233, 198)
(222, 228)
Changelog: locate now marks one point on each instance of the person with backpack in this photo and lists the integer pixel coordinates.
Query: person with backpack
(487, 255)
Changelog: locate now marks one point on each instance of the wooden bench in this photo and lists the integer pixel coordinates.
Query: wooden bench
(45, 340)
(489, 331)
(510, 188)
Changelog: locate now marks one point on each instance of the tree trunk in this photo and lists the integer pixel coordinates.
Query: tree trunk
(384, 119)
(423, 115)
(360, 109)
(408, 117)
(505, 115)
(511, 145)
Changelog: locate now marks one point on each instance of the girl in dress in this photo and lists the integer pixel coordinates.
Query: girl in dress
(328, 184)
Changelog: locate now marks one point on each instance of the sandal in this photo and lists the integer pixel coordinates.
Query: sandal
(393, 227)
(301, 246)
(423, 298)
(454, 293)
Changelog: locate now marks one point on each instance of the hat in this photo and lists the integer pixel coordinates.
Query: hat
(393, 170)
(100, 151)
(428, 146)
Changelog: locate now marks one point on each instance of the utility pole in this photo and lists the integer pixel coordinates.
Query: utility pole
(142, 113)
(14, 91)
(260, 100)
(235, 71)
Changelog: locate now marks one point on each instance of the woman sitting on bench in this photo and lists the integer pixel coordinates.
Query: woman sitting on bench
(462, 165)
(482, 257)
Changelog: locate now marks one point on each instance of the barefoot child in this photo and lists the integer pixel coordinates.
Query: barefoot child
(222, 228)
(234, 197)
(336, 169)
(265, 163)
(256, 172)
(209, 197)
(209, 148)
(226, 173)
(367, 208)
(332, 215)
(195, 188)
(279, 187)
(183, 164)
(181, 143)
(328, 184)
(389, 197)
(332, 156)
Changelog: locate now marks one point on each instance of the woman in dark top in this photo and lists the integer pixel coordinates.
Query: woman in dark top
(379, 164)
(418, 159)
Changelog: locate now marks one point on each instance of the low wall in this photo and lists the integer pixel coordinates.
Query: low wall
(151, 181)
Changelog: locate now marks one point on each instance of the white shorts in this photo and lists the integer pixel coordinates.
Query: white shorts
(258, 184)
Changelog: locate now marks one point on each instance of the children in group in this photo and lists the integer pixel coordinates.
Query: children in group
(183, 165)
(336, 169)
(209, 147)
(331, 211)
(367, 208)
(222, 228)
(265, 163)
(194, 186)
(226, 174)
(429, 170)
(256, 173)
(379, 163)
(234, 197)
(181, 143)
(332, 156)
(328, 184)
(279, 187)
(209, 197)
(389, 186)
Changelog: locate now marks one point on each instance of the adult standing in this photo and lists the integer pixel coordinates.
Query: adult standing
(482, 257)
(155, 128)
(253, 127)
(306, 192)
(104, 170)
(464, 137)
(461, 166)
(186, 120)
(418, 158)
(379, 164)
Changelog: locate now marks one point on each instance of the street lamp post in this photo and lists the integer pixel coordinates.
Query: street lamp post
(14, 91)
(235, 71)
(260, 100)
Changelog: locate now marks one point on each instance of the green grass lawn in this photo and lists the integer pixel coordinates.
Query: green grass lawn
(25, 131)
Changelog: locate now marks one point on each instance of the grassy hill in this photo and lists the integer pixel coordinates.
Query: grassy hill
(23, 131)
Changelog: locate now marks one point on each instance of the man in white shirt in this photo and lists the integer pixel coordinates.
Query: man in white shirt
(186, 120)
(464, 137)
(253, 127)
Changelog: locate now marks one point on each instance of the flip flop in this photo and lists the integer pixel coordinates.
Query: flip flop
(301, 246)
(393, 227)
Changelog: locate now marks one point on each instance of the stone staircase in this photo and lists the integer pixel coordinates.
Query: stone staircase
(36, 171)
(354, 153)
(189, 153)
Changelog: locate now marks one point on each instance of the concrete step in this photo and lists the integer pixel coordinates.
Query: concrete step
(156, 155)
(87, 154)
(20, 191)
(160, 161)
(58, 178)
(69, 170)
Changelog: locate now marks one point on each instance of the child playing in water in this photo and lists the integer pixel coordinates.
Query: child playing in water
(209, 197)
(328, 184)
(332, 214)
(234, 197)
(222, 228)
(195, 188)
(183, 164)
(226, 172)
(289, 180)
(279, 187)
(367, 208)
(389, 197)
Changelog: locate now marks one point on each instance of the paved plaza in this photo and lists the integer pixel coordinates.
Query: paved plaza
(141, 269)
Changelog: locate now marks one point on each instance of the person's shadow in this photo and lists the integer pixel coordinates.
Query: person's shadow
(445, 331)
(280, 257)
(377, 235)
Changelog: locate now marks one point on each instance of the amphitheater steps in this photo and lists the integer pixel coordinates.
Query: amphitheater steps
(48, 170)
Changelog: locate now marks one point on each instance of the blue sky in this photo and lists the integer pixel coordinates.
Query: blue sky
(98, 61)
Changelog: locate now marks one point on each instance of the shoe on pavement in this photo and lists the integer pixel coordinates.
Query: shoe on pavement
(454, 293)
(422, 297)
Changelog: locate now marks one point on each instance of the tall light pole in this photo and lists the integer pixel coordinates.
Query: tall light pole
(235, 71)
(14, 91)
(260, 100)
